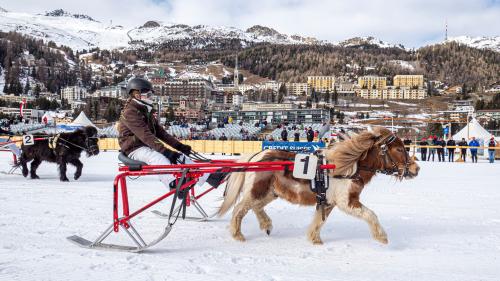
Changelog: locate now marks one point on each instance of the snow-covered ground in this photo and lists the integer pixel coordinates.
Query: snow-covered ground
(443, 225)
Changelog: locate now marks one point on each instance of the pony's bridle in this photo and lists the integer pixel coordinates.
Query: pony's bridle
(387, 159)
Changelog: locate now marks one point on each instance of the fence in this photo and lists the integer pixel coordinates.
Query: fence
(235, 146)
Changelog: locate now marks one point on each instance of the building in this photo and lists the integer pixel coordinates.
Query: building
(487, 115)
(12, 98)
(321, 83)
(410, 81)
(190, 108)
(73, 93)
(392, 93)
(276, 116)
(270, 85)
(372, 82)
(30, 114)
(110, 92)
(188, 88)
(297, 89)
(251, 106)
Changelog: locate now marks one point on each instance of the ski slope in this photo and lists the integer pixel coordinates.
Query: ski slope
(443, 225)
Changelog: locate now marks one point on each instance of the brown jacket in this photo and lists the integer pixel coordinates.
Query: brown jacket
(139, 128)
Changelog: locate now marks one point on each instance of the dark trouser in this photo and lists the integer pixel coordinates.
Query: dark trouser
(433, 153)
(440, 153)
(464, 154)
(474, 156)
(423, 155)
(451, 155)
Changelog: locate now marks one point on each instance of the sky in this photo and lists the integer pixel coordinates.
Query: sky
(413, 23)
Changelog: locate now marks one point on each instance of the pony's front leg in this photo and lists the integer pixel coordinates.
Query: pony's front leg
(313, 234)
(62, 169)
(79, 166)
(360, 211)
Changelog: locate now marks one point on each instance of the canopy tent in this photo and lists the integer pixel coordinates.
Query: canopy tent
(81, 121)
(474, 130)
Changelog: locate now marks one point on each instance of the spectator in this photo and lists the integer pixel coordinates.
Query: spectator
(310, 134)
(407, 142)
(432, 150)
(223, 137)
(284, 134)
(423, 150)
(316, 134)
(451, 150)
(296, 135)
(440, 150)
(491, 151)
(463, 150)
(473, 149)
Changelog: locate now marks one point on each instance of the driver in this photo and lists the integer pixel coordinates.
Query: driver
(142, 138)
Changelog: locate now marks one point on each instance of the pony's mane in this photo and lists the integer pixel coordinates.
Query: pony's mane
(346, 154)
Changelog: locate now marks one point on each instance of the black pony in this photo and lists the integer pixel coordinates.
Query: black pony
(62, 149)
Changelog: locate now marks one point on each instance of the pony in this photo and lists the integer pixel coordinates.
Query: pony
(357, 160)
(62, 149)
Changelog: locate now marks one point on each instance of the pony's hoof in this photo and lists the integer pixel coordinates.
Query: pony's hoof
(25, 174)
(382, 240)
(65, 179)
(317, 242)
(268, 232)
(77, 177)
(239, 237)
(35, 177)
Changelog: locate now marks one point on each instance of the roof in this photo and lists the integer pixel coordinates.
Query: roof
(82, 120)
(474, 129)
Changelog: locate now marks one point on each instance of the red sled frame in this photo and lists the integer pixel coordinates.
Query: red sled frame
(187, 175)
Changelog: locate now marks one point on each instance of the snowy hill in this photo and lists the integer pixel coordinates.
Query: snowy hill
(368, 42)
(481, 42)
(83, 32)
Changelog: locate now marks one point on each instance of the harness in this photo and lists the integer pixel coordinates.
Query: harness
(383, 146)
(320, 184)
(56, 140)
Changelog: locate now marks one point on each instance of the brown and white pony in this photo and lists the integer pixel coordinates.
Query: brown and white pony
(357, 160)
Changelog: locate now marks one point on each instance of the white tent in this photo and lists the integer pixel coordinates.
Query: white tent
(82, 120)
(474, 130)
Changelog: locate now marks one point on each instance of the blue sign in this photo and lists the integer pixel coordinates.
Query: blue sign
(446, 130)
(293, 146)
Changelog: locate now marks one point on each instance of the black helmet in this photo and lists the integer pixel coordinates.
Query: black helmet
(139, 84)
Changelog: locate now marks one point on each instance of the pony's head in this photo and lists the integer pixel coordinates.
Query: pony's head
(376, 149)
(393, 157)
(88, 140)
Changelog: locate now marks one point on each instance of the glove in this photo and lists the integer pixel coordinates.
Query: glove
(185, 149)
(172, 156)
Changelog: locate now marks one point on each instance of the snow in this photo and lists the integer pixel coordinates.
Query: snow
(443, 225)
(81, 33)
(481, 42)
(403, 64)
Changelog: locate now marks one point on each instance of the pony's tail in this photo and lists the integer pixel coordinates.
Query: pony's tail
(233, 188)
(232, 192)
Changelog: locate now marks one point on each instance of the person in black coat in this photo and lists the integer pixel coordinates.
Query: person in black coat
(296, 135)
(423, 150)
(463, 150)
(440, 151)
(407, 141)
(284, 134)
(451, 150)
(310, 135)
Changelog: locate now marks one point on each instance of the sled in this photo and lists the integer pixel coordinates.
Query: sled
(187, 175)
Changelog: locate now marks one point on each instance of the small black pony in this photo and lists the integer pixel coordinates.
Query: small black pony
(62, 149)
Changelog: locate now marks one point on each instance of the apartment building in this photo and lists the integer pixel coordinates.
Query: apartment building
(321, 83)
(372, 82)
(297, 89)
(73, 93)
(410, 81)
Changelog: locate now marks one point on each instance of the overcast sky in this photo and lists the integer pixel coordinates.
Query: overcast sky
(411, 22)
